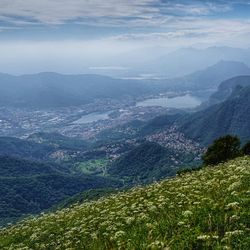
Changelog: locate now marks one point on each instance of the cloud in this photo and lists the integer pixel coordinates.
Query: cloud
(108, 12)
(79, 33)
(57, 12)
(191, 8)
(188, 31)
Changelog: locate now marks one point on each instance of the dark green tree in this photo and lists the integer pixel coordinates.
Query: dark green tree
(223, 149)
(246, 148)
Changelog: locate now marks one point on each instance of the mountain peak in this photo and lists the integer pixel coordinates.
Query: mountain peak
(230, 63)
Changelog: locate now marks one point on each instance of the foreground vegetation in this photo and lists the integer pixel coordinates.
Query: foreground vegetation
(206, 209)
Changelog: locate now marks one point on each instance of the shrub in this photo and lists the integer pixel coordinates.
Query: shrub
(222, 150)
(246, 149)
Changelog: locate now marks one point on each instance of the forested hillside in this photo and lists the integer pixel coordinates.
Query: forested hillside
(30, 187)
(148, 162)
(230, 117)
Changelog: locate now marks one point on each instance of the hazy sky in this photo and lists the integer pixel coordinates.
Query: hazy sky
(68, 35)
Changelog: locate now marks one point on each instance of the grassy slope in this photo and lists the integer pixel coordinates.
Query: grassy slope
(207, 209)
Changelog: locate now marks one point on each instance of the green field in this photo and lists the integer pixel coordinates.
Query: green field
(96, 167)
(205, 209)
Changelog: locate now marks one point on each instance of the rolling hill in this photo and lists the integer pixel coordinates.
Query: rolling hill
(206, 209)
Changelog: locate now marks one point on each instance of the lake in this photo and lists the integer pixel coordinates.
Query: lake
(179, 102)
(92, 117)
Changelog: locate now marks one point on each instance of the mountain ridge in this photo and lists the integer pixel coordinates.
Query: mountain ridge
(226, 88)
(191, 59)
(49, 89)
(228, 117)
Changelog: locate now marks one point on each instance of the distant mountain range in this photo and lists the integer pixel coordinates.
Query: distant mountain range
(153, 62)
(53, 90)
(46, 90)
(209, 78)
(188, 60)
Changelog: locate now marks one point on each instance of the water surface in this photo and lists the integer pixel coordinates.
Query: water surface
(92, 117)
(179, 102)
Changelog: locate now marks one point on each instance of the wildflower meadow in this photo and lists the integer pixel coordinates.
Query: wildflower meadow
(205, 209)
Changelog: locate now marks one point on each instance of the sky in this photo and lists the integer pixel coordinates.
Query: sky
(70, 35)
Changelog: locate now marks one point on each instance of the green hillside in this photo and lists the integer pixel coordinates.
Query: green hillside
(24, 149)
(29, 187)
(40, 146)
(148, 162)
(206, 209)
(229, 117)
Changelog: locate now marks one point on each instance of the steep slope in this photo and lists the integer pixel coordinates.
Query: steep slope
(229, 117)
(207, 209)
(226, 88)
(29, 187)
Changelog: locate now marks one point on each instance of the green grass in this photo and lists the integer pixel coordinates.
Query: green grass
(206, 209)
(97, 167)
